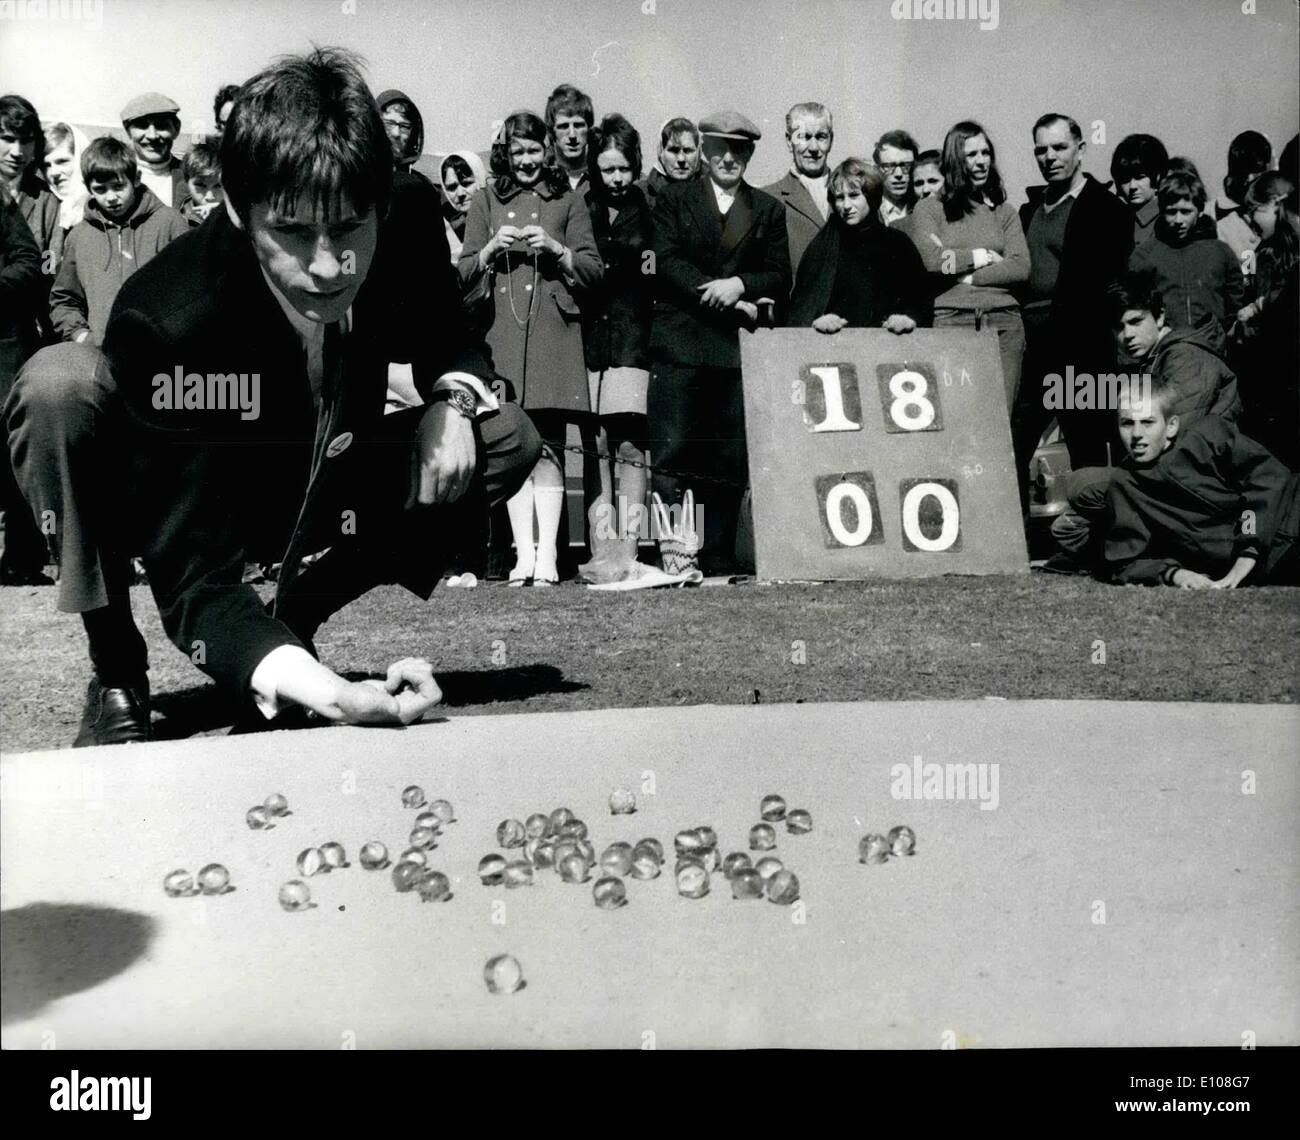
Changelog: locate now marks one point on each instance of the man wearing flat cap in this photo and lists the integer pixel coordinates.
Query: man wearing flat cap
(720, 249)
(152, 122)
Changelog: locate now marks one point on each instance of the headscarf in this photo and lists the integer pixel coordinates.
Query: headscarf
(72, 198)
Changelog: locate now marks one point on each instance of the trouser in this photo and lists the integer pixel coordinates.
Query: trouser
(696, 425)
(64, 419)
(1077, 528)
(1011, 339)
(25, 547)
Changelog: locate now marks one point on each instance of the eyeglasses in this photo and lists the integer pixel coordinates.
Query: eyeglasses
(895, 167)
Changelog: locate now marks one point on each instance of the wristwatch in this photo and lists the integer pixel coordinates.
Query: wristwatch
(459, 399)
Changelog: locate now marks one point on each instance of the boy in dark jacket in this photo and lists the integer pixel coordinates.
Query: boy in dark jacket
(125, 227)
(202, 168)
(1197, 274)
(1203, 508)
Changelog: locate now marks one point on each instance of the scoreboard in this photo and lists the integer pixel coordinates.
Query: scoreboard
(876, 455)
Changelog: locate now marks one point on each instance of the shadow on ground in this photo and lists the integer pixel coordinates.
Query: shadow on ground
(48, 951)
(206, 709)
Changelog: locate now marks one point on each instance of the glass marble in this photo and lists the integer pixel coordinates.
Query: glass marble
(736, 861)
(423, 837)
(295, 895)
(707, 836)
(517, 873)
(537, 826)
(413, 796)
(609, 893)
(687, 842)
(559, 817)
(311, 862)
(645, 865)
(574, 868)
(503, 975)
(178, 884)
(621, 802)
(747, 883)
(798, 822)
(783, 888)
(433, 886)
(772, 808)
(588, 851)
(429, 820)
(510, 833)
(692, 879)
(652, 845)
(873, 849)
(258, 818)
(334, 855)
(276, 804)
(543, 855)
(616, 859)
(768, 867)
(762, 837)
(711, 857)
(374, 856)
(414, 855)
(562, 849)
(575, 829)
(902, 840)
(406, 875)
(491, 869)
(214, 879)
(443, 810)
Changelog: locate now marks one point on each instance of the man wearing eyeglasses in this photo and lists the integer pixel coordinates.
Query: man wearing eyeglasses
(895, 155)
(809, 134)
(405, 127)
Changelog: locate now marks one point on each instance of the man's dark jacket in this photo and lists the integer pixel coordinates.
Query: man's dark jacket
(209, 489)
(1098, 242)
(692, 247)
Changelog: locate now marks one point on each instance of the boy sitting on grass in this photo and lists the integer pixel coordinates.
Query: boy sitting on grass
(1204, 508)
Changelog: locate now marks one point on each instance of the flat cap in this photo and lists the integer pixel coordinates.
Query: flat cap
(150, 103)
(729, 125)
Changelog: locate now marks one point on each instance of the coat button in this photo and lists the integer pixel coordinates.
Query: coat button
(510, 214)
(533, 215)
(528, 288)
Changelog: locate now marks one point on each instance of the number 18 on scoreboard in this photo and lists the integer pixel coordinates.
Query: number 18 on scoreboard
(875, 455)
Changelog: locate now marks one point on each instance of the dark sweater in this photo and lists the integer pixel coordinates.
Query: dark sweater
(863, 274)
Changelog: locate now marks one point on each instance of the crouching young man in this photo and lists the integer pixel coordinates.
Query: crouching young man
(1203, 508)
(236, 414)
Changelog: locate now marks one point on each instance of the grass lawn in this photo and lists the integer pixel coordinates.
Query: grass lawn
(505, 651)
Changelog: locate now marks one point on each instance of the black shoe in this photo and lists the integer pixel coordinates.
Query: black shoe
(1062, 563)
(34, 576)
(114, 716)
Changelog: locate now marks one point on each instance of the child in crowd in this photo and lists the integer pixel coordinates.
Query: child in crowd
(63, 147)
(1249, 155)
(202, 169)
(971, 240)
(1197, 275)
(1199, 507)
(616, 341)
(1137, 168)
(1270, 340)
(124, 228)
(927, 175)
(858, 272)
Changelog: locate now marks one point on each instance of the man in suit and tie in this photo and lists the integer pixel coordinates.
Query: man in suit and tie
(720, 248)
(236, 414)
(810, 134)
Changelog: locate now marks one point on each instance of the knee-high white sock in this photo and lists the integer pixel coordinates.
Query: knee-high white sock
(550, 504)
(520, 509)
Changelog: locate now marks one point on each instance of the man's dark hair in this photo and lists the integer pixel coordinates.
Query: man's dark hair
(1056, 117)
(225, 94)
(678, 126)
(1141, 156)
(1179, 184)
(617, 133)
(1137, 290)
(107, 158)
(899, 140)
(929, 158)
(1249, 155)
(307, 127)
(567, 99)
(19, 118)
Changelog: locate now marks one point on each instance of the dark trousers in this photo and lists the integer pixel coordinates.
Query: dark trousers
(696, 418)
(25, 547)
(63, 421)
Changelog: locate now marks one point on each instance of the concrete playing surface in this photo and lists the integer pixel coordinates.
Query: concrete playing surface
(988, 933)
